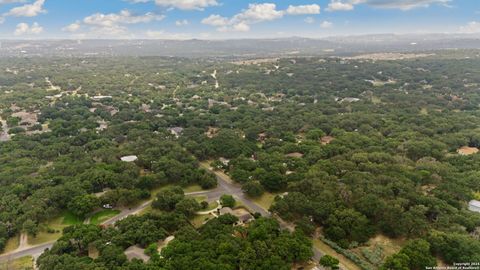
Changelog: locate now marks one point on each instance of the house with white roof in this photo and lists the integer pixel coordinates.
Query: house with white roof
(474, 206)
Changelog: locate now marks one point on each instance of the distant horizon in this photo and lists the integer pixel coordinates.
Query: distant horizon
(249, 38)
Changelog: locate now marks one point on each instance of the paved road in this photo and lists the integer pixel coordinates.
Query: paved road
(34, 251)
(225, 186)
(235, 189)
(37, 250)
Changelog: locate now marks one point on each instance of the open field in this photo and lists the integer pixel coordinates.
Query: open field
(24, 263)
(198, 220)
(12, 244)
(211, 205)
(52, 230)
(103, 215)
(266, 200)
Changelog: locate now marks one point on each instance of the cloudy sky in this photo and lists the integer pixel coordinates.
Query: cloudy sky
(220, 19)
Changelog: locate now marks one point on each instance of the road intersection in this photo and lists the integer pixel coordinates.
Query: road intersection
(225, 186)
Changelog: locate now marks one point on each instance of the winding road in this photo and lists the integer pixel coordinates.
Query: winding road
(225, 186)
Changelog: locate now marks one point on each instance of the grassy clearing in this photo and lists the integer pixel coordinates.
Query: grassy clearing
(70, 219)
(103, 215)
(198, 220)
(345, 263)
(266, 200)
(376, 100)
(52, 230)
(12, 244)
(93, 251)
(24, 263)
(211, 205)
(187, 189)
(424, 111)
(146, 210)
(192, 188)
(47, 232)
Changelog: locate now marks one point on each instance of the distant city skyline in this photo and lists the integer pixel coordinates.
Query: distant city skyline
(227, 19)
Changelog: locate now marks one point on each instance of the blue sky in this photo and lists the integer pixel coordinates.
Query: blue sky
(220, 19)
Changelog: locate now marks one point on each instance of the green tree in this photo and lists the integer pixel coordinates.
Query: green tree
(188, 207)
(253, 189)
(329, 261)
(30, 227)
(227, 201)
(167, 199)
(84, 204)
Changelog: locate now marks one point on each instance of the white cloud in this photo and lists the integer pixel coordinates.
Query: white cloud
(112, 25)
(470, 28)
(256, 13)
(303, 9)
(25, 29)
(346, 5)
(259, 13)
(216, 20)
(339, 6)
(187, 4)
(124, 17)
(326, 24)
(241, 27)
(28, 10)
(309, 20)
(181, 22)
(74, 27)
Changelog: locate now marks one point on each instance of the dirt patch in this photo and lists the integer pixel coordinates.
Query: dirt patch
(465, 150)
(256, 61)
(326, 140)
(28, 118)
(389, 56)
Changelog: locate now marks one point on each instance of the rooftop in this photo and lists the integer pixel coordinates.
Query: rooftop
(129, 158)
(474, 203)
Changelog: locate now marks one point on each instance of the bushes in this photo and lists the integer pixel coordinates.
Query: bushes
(350, 255)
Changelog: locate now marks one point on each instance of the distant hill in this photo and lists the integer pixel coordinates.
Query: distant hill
(241, 48)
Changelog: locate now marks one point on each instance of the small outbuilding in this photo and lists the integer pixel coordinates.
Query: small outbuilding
(129, 158)
(474, 206)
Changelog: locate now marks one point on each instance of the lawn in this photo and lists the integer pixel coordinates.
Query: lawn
(211, 205)
(192, 188)
(70, 219)
(198, 220)
(52, 230)
(187, 189)
(12, 244)
(376, 100)
(266, 200)
(103, 215)
(24, 263)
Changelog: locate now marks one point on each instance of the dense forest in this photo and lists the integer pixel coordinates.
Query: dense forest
(352, 149)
